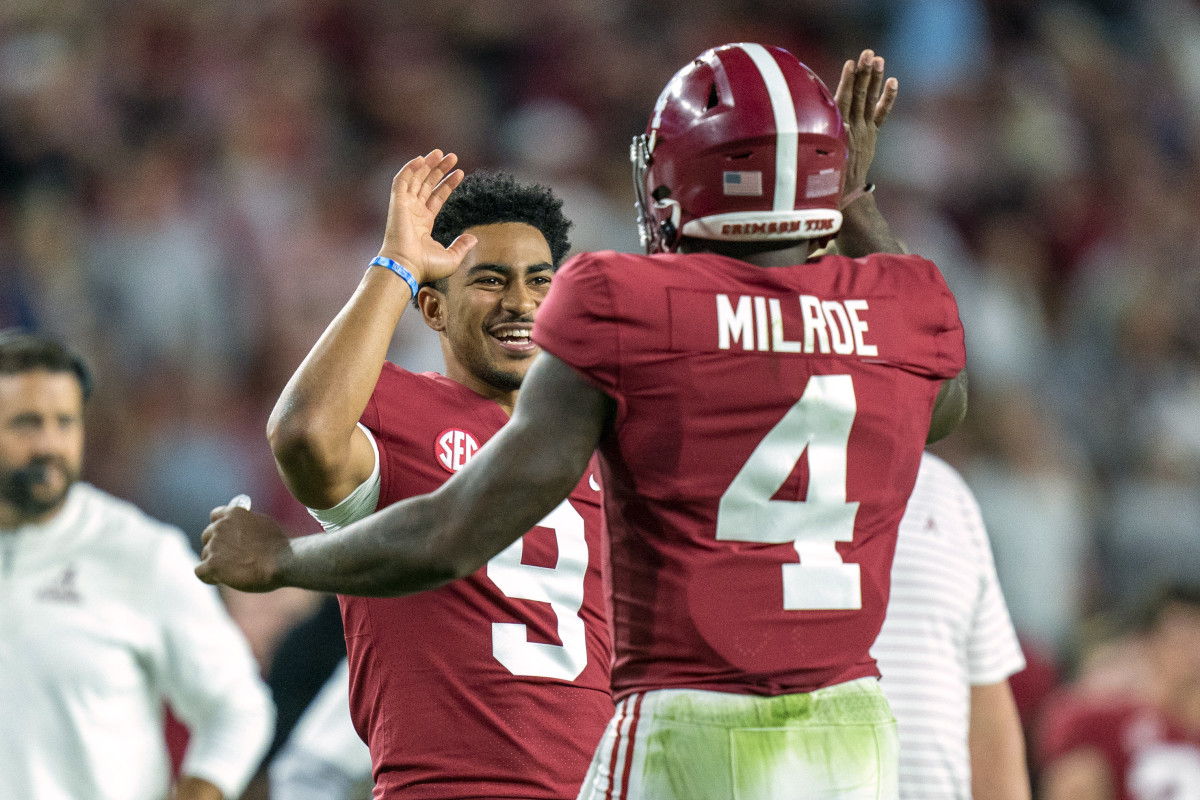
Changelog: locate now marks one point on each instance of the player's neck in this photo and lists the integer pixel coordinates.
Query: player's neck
(761, 254)
(505, 398)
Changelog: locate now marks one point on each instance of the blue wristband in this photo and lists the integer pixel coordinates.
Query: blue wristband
(398, 268)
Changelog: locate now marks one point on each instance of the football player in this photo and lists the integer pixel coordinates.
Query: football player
(760, 417)
(496, 685)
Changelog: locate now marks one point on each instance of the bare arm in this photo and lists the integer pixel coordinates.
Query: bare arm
(865, 99)
(1079, 775)
(998, 769)
(949, 408)
(865, 231)
(318, 448)
(517, 478)
(320, 452)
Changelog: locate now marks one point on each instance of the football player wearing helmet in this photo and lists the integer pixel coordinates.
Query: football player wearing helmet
(760, 415)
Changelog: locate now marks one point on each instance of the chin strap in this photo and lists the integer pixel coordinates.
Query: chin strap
(851, 196)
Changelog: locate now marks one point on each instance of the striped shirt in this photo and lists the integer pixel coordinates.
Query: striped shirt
(947, 628)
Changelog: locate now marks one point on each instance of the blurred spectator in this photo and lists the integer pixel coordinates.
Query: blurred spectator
(1129, 729)
(102, 620)
(1036, 500)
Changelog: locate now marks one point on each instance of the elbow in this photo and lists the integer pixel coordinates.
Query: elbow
(301, 443)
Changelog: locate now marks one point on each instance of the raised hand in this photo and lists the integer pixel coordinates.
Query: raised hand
(418, 192)
(242, 549)
(865, 99)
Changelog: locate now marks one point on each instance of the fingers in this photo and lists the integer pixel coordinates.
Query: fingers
(845, 89)
(874, 87)
(442, 190)
(239, 501)
(862, 79)
(868, 81)
(862, 89)
(437, 173)
(891, 88)
(461, 246)
(421, 176)
(411, 174)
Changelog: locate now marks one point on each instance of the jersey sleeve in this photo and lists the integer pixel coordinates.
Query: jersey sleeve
(360, 503)
(208, 675)
(578, 321)
(931, 340)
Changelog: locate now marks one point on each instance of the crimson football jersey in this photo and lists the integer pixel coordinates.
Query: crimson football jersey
(495, 685)
(1149, 757)
(770, 423)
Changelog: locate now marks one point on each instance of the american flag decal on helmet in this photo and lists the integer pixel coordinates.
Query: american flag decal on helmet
(785, 125)
(746, 184)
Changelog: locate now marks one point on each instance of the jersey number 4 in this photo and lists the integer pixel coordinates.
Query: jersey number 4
(561, 586)
(818, 425)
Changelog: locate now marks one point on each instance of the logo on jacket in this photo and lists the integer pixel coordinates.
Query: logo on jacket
(454, 448)
(62, 589)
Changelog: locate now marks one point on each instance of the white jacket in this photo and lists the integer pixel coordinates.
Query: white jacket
(102, 621)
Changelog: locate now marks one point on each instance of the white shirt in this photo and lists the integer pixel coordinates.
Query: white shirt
(101, 621)
(946, 629)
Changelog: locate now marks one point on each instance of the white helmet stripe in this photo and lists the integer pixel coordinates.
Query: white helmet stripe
(785, 125)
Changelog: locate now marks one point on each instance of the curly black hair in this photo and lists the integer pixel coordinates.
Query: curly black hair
(486, 198)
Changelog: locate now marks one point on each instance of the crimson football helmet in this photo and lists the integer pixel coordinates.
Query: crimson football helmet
(746, 145)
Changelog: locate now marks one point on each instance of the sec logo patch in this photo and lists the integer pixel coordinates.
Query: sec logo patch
(454, 448)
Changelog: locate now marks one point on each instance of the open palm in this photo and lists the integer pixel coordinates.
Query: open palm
(418, 192)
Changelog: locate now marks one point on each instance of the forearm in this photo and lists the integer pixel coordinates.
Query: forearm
(997, 744)
(865, 231)
(311, 426)
(427, 541)
(514, 481)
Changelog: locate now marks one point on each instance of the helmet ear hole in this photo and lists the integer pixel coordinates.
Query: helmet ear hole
(661, 193)
(712, 97)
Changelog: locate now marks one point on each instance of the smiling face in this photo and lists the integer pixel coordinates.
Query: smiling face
(41, 443)
(485, 315)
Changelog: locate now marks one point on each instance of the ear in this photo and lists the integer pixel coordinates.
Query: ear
(433, 307)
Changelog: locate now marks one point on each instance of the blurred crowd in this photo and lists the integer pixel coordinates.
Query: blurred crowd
(190, 191)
